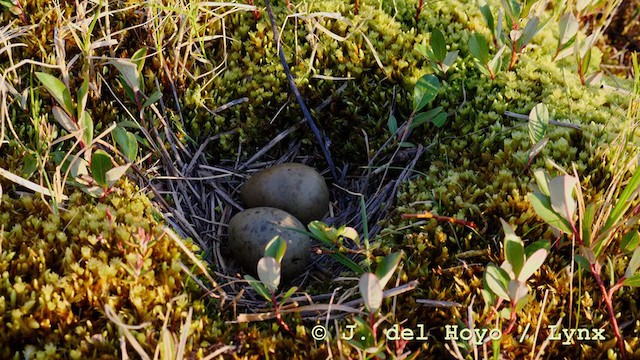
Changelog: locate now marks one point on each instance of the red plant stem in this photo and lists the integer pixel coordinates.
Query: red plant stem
(418, 10)
(278, 315)
(607, 296)
(493, 311)
(256, 13)
(580, 73)
(491, 73)
(428, 215)
(512, 319)
(355, 10)
(514, 56)
(374, 328)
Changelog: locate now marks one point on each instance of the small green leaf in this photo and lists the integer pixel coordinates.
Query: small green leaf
(585, 62)
(522, 302)
(537, 148)
(487, 295)
(634, 263)
(138, 58)
(258, 287)
(371, 292)
(513, 248)
(530, 30)
(542, 179)
(269, 273)
(126, 142)
(497, 280)
(505, 313)
(152, 99)
(349, 233)
(113, 175)
(317, 229)
(392, 124)
(438, 45)
(100, 164)
(289, 292)
(440, 119)
(569, 26)
(424, 117)
(561, 189)
(479, 48)
(78, 168)
(83, 94)
(535, 246)
(449, 60)
(485, 10)
(129, 72)
(624, 201)
(587, 223)
(542, 206)
(30, 165)
(58, 90)
(275, 248)
(86, 123)
(532, 264)
(633, 281)
(496, 62)
(630, 241)
(583, 262)
(387, 267)
(424, 51)
(425, 90)
(538, 122)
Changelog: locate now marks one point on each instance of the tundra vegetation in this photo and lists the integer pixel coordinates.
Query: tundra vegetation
(483, 160)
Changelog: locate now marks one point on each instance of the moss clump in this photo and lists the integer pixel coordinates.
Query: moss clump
(477, 170)
(59, 272)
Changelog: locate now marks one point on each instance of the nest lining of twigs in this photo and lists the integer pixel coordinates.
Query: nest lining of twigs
(205, 196)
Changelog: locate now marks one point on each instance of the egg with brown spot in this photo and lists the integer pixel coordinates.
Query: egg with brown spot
(296, 188)
(251, 230)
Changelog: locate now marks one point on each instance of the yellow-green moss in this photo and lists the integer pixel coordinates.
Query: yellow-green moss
(58, 273)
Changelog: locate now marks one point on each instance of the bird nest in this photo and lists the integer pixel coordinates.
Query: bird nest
(198, 199)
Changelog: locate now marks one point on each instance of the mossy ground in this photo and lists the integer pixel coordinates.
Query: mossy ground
(58, 272)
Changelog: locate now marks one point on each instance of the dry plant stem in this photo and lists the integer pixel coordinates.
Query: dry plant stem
(607, 297)
(294, 88)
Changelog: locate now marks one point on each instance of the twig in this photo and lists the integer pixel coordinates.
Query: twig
(552, 122)
(294, 88)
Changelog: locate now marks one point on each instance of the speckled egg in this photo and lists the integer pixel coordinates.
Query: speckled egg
(295, 188)
(252, 229)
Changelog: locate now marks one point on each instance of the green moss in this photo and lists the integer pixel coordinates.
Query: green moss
(59, 272)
